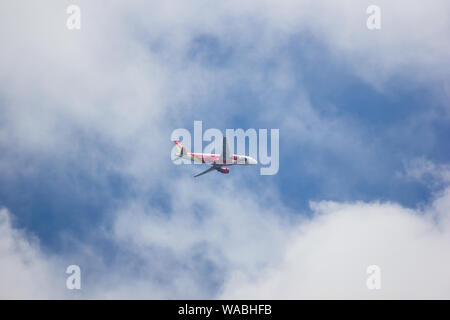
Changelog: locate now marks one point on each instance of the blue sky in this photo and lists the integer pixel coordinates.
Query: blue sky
(87, 117)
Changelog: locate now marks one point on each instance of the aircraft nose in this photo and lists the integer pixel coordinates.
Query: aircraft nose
(253, 161)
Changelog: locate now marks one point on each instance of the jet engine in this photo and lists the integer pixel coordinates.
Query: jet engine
(224, 170)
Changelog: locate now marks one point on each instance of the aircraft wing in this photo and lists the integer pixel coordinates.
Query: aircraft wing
(226, 156)
(206, 171)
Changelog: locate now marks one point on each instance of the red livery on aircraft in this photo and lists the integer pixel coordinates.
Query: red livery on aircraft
(217, 162)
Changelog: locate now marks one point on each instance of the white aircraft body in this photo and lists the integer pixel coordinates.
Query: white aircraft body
(218, 162)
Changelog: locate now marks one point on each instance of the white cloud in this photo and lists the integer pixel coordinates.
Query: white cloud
(422, 169)
(119, 77)
(242, 247)
(412, 42)
(327, 257)
(25, 272)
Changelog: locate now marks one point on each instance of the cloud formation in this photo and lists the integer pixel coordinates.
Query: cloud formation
(244, 249)
(26, 272)
(327, 258)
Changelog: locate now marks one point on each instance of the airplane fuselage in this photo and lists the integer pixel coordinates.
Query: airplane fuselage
(216, 160)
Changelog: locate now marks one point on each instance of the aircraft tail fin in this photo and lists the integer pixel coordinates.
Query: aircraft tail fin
(183, 152)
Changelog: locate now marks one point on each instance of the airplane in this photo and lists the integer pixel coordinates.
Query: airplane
(217, 162)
